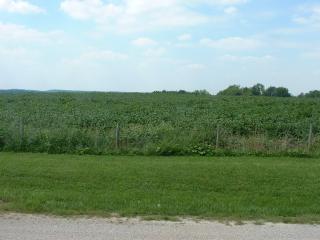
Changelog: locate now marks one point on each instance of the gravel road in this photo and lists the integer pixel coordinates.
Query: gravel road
(33, 227)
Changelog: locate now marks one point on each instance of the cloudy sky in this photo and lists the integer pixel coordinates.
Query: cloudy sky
(146, 45)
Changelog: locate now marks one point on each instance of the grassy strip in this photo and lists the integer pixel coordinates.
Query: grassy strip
(243, 188)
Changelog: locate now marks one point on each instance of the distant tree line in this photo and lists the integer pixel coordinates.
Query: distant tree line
(196, 92)
(256, 90)
(311, 94)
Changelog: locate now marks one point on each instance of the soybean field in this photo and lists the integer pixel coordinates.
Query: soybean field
(158, 124)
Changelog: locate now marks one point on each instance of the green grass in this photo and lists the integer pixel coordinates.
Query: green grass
(243, 188)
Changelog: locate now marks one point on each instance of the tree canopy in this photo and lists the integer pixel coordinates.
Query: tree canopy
(256, 90)
(312, 94)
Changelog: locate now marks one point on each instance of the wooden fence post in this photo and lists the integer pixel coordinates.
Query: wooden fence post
(96, 137)
(21, 132)
(286, 139)
(117, 136)
(217, 137)
(310, 137)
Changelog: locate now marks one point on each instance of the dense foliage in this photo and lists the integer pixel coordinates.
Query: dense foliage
(256, 90)
(157, 123)
(311, 94)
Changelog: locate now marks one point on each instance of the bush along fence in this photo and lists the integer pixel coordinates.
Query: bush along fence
(215, 140)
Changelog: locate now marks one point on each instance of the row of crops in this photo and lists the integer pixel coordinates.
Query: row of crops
(158, 123)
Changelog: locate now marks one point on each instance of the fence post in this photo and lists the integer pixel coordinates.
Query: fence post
(310, 137)
(21, 132)
(117, 136)
(96, 139)
(286, 139)
(217, 137)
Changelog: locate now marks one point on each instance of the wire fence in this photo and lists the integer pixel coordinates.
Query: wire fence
(157, 140)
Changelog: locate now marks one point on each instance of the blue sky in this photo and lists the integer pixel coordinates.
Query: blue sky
(147, 45)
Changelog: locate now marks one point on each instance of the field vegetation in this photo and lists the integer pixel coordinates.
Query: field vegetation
(160, 123)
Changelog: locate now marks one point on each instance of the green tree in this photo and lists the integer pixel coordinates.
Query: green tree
(234, 90)
(201, 92)
(246, 91)
(283, 92)
(258, 90)
(313, 94)
(277, 92)
(271, 92)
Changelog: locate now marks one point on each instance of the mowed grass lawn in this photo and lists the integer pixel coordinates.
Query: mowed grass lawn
(242, 188)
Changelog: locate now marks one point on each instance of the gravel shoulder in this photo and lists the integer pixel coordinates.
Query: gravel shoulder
(36, 227)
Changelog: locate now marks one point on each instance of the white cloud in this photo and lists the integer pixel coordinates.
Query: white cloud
(143, 42)
(219, 2)
(229, 2)
(230, 10)
(246, 59)
(19, 6)
(105, 55)
(309, 15)
(184, 37)
(138, 15)
(90, 9)
(13, 32)
(94, 56)
(231, 43)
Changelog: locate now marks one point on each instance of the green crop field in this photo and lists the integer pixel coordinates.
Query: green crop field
(230, 188)
(158, 124)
